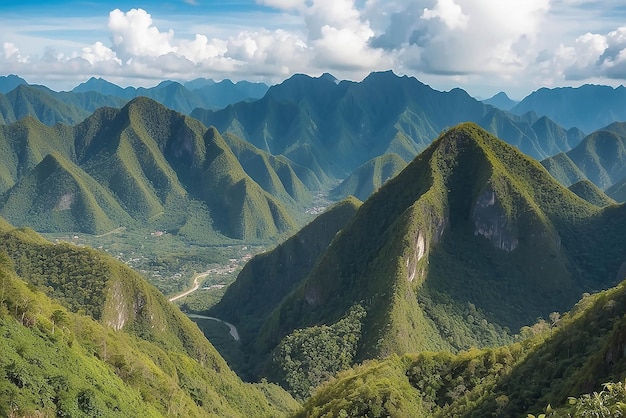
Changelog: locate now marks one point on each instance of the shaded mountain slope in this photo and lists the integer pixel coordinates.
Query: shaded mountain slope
(501, 100)
(269, 277)
(276, 175)
(10, 82)
(617, 191)
(576, 354)
(338, 126)
(366, 179)
(142, 356)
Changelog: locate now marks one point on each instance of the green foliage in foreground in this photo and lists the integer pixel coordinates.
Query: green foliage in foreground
(567, 357)
(150, 361)
(308, 357)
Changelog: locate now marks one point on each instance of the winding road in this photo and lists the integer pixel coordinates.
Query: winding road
(196, 285)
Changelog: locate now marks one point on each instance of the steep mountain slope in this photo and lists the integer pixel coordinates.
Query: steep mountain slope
(335, 127)
(572, 355)
(588, 107)
(158, 165)
(366, 179)
(277, 175)
(591, 193)
(25, 143)
(57, 196)
(269, 277)
(439, 258)
(599, 158)
(617, 191)
(141, 357)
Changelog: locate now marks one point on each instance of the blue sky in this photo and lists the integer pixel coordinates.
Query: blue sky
(483, 46)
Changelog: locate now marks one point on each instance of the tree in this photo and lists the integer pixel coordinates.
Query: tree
(58, 317)
(555, 317)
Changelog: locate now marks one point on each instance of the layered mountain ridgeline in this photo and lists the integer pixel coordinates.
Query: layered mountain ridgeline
(569, 356)
(368, 178)
(142, 164)
(182, 98)
(467, 244)
(36, 101)
(9, 82)
(591, 193)
(588, 107)
(600, 158)
(501, 100)
(335, 127)
(83, 335)
(18, 99)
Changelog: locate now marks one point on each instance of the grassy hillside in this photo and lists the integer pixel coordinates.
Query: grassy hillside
(591, 193)
(141, 357)
(599, 158)
(24, 144)
(57, 196)
(28, 100)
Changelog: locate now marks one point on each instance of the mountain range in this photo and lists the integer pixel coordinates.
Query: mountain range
(335, 127)
(436, 259)
(422, 296)
(599, 158)
(588, 107)
(141, 164)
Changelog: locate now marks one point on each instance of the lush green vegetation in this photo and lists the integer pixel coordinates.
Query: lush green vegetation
(269, 277)
(599, 158)
(308, 357)
(143, 357)
(559, 363)
(591, 193)
(439, 258)
(145, 165)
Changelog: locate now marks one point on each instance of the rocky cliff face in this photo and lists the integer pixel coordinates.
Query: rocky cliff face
(491, 221)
